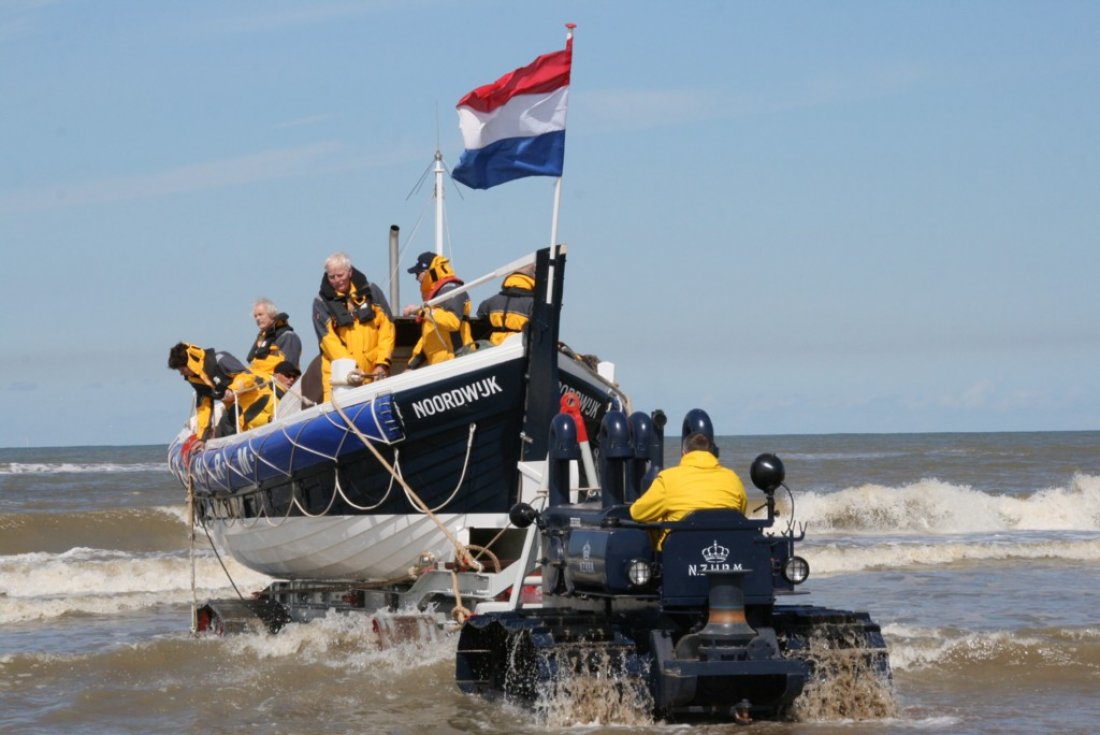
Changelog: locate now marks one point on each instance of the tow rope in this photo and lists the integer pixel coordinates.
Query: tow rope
(461, 552)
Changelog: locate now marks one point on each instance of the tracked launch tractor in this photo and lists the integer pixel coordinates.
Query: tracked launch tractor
(694, 630)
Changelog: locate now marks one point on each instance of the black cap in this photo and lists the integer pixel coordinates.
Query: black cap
(288, 369)
(423, 263)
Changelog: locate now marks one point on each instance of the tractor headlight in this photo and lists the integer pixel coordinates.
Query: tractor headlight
(796, 570)
(639, 572)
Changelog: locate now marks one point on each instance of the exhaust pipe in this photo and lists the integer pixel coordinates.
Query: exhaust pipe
(395, 269)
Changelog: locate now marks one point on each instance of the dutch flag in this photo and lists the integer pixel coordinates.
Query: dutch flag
(515, 127)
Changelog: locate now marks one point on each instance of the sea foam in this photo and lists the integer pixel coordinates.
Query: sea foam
(61, 468)
(838, 558)
(41, 586)
(936, 507)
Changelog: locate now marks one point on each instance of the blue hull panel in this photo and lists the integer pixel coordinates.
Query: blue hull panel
(257, 457)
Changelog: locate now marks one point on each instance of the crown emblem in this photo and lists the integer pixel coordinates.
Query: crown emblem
(716, 554)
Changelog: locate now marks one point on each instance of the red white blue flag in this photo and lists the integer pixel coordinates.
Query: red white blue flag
(515, 127)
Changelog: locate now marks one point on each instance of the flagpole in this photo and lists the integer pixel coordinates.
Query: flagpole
(557, 211)
(557, 184)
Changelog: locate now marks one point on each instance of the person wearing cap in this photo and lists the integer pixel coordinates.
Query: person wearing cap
(288, 399)
(276, 341)
(285, 375)
(218, 376)
(697, 483)
(509, 311)
(352, 320)
(445, 327)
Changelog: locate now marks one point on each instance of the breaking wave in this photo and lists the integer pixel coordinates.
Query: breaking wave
(931, 506)
(64, 468)
(41, 586)
(838, 558)
(1043, 653)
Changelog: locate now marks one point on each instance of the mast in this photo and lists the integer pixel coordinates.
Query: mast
(439, 170)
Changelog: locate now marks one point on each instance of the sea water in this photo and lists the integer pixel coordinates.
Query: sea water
(977, 553)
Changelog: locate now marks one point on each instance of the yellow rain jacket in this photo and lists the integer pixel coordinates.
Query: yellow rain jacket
(354, 325)
(217, 372)
(510, 310)
(699, 482)
(445, 327)
(272, 346)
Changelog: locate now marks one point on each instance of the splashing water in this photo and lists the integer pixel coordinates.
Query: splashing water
(846, 683)
(593, 685)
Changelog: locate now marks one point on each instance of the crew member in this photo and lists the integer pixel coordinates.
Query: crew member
(289, 399)
(352, 320)
(697, 483)
(509, 311)
(220, 376)
(445, 327)
(276, 341)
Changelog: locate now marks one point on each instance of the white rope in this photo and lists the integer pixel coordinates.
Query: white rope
(234, 470)
(460, 550)
(222, 509)
(268, 520)
(389, 488)
(256, 519)
(210, 479)
(461, 477)
(294, 443)
(260, 457)
(229, 513)
(294, 499)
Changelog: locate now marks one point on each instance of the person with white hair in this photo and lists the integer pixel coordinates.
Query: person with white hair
(276, 341)
(352, 320)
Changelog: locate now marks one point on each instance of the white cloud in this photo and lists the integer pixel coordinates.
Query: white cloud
(294, 16)
(641, 109)
(302, 122)
(278, 163)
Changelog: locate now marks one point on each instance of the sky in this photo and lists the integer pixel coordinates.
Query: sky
(801, 217)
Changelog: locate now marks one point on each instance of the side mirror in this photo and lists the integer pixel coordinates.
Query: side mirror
(767, 473)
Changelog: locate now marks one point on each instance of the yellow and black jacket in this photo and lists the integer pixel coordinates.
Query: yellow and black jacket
(445, 327)
(355, 325)
(510, 310)
(217, 372)
(272, 346)
(698, 482)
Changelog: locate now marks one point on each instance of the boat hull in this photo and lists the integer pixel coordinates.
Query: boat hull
(344, 547)
(307, 498)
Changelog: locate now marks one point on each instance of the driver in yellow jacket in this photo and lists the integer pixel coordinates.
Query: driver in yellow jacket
(699, 482)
